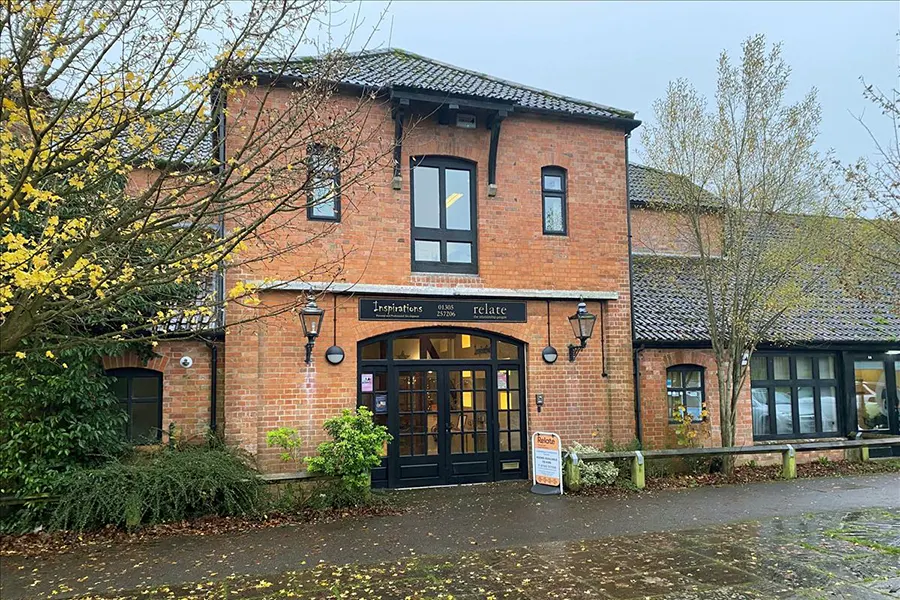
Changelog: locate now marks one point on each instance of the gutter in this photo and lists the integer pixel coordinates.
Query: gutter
(635, 352)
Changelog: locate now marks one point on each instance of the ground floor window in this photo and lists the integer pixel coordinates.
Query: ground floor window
(140, 394)
(684, 387)
(794, 395)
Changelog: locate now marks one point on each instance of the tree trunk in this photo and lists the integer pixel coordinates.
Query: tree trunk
(726, 413)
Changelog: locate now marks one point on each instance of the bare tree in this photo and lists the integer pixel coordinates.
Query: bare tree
(871, 239)
(747, 189)
(119, 198)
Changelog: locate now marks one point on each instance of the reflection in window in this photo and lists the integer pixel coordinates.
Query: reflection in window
(374, 351)
(437, 346)
(871, 394)
(140, 395)
(793, 395)
(684, 388)
(507, 351)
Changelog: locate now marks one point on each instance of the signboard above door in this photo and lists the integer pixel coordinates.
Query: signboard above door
(414, 309)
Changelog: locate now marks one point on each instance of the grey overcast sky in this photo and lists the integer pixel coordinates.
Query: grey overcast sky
(624, 54)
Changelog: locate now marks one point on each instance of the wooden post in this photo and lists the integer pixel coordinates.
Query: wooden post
(864, 454)
(637, 470)
(789, 463)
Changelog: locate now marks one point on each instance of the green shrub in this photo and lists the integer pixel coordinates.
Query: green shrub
(55, 415)
(595, 472)
(288, 440)
(163, 486)
(351, 454)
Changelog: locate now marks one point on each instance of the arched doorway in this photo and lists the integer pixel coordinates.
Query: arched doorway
(454, 400)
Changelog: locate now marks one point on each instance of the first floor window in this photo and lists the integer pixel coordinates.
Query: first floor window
(553, 192)
(793, 395)
(324, 197)
(444, 220)
(684, 386)
(140, 395)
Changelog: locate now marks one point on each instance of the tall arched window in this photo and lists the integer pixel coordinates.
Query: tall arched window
(140, 394)
(685, 388)
(554, 190)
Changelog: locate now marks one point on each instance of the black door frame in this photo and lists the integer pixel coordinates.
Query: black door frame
(501, 465)
(890, 362)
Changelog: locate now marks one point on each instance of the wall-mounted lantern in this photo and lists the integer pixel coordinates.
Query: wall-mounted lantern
(311, 319)
(583, 327)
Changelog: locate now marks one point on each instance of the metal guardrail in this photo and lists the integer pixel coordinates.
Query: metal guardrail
(788, 453)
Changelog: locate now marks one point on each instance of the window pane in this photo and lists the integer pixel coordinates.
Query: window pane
(553, 213)
(553, 183)
(458, 202)
(782, 367)
(673, 379)
(826, 367)
(459, 252)
(374, 351)
(829, 409)
(760, 399)
(406, 349)
(675, 400)
(806, 408)
(426, 197)
(784, 417)
(427, 251)
(506, 351)
(693, 401)
(871, 394)
(145, 388)
(758, 368)
(804, 367)
(120, 388)
(144, 422)
(323, 197)
(692, 379)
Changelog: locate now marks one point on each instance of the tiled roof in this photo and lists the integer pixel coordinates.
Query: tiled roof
(649, 186)
(395, 68)
(669, 306)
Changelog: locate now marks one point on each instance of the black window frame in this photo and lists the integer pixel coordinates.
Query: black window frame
(129, 374)
(442, 234)
(770, 383)
(313, 152)
(563, 195)
(686, 368)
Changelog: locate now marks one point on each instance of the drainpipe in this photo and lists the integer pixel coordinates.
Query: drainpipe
(635, 352)
(213, 384)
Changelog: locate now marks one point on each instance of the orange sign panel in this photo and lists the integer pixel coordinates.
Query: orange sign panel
(547, 455)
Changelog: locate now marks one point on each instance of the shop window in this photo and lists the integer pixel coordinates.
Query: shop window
(684, 388)
(435, 346)
(793, 396)
(140, 395)
(444, 236)
(553, 192)
(324, 197)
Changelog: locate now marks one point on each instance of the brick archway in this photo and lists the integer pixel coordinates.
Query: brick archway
(133, 361)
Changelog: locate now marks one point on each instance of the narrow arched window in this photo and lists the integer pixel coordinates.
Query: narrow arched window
(685, 389)
(554, 191)
(140, 395)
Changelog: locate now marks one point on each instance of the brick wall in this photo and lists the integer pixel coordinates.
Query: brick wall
(185, 391)
(270, 386)
(267, 383)
(659, 433)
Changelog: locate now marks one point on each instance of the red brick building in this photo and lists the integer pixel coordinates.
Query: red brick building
(503, 207)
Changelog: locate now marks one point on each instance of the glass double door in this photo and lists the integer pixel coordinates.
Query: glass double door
(876, 395)
(453, 425)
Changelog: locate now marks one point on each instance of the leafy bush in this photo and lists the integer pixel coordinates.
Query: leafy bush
(351, 454)
(56, 414)
(596, 472)
(288, 440)
(166, 485)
